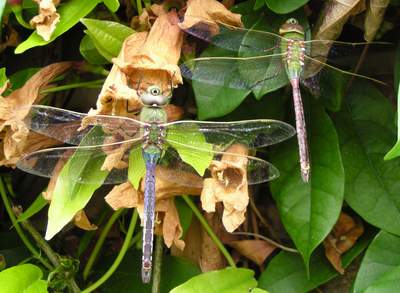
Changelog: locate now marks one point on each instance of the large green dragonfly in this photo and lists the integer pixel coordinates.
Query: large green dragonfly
(267, 61)
(181, 146)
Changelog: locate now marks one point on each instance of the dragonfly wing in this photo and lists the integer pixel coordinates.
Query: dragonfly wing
(251, 133)
(229, 169)
(66, 126)
(230, 37)
(82, 164)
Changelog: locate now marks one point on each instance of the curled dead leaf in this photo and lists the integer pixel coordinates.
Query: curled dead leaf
(373, 18)
(206, 14)
(342, 237)
(15, 107)
(45, 22)
(228, 185)
(125, 196)
(81, 220)
(255, 250)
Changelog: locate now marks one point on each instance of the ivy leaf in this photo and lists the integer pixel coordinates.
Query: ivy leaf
(366, 132)
(69, 195)
(227, 280)
(284, 7)
(89, 51)
(380, 267)
(25, 278)
(309, 211)
(107, 36)
(286, 271)
(70, 14)
(137, 167)
(112, 5)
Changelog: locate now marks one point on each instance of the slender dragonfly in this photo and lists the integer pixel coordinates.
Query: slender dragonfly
(180, 146)
(266, 62)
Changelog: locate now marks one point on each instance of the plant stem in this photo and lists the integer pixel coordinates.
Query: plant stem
(209, 230)
(87, 84)
(17, 227)
(100, 242)
(158, 264)
(139, 7)
(283, 247)
(120, 255)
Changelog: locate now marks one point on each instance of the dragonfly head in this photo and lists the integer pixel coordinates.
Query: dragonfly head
(154, 96)
(291, 25)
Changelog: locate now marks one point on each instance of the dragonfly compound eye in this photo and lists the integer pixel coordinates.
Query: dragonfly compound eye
(292, 21)
(154, 90)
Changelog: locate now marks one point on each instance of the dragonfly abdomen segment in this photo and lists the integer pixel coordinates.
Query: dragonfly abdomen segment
(151, 156)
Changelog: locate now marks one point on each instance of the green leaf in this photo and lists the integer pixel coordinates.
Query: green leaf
(3, 76)
(112, 5)
(107, 36)
(333, 86)
(34, 208)
(90, 53)
(70, 196)
(192, 148)
(309, 211)
(366, 133)
(213, 100)
(395, 150)
(283, 7)
(380, 267)
(227, 280)
(2, 5)
(185, 214)
(70, 14)
(127, 278)
(19, 78)
(286, 271)
(137, 167)
(24, 278)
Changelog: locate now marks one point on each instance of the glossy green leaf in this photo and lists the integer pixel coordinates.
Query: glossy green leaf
(70, 14)
(2, 5)
(70, 196)
(89, 51)
(366, 132)
(112, 5)
(394, 152)
(230, 280)
(26, 278)
(286, 271)
(283, 7)
(127, 278)
(34, 208)
(380, 268)
(137, 167)
(192, 148)
(332, 86)
(309, 211)
(107, 36)
(216, 101)
(19, 78)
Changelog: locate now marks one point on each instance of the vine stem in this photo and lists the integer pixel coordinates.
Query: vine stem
(100, 242)
(283, 247)
(139, 7)
(17, 227)
(158, 265)
(88, 84)
(209, 230)
(120, 255)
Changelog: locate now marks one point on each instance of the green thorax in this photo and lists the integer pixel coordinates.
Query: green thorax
(293, 44)
(154, 133)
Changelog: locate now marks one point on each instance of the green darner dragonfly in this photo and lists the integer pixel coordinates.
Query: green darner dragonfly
(267, 61)
(181, 146)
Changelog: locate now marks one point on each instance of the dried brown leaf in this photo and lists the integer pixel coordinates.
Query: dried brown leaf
(81, 220)
(374, 17)
(45, 22)
(255, 250)
(228, 185)
(15, 107)
(343, 237)
(206, 14)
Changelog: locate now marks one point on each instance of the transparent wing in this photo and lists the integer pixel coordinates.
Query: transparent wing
(230, 37)
(231, 170)
(66, 126)
(250, 133)
(253, 73)
(82, 164)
